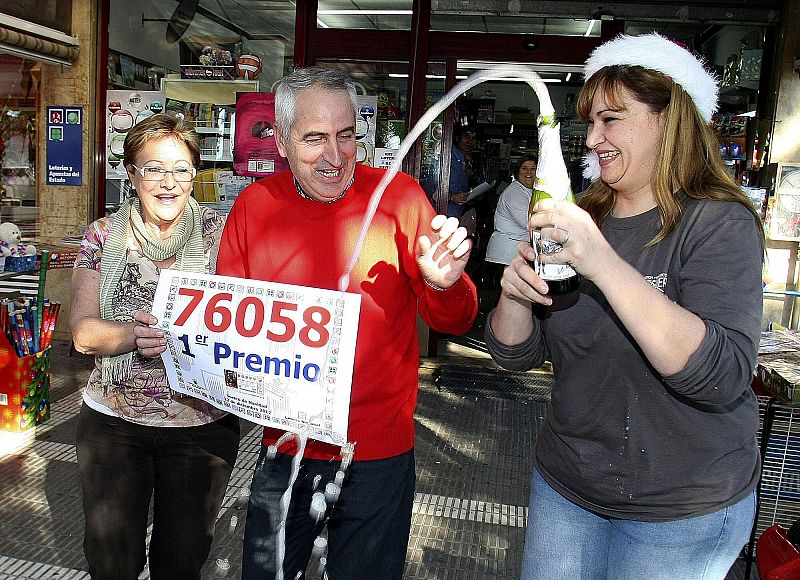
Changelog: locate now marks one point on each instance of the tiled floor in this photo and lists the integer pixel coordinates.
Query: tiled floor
(475, 434)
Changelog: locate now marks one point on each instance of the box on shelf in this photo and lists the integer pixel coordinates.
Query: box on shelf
(205, 185)
(785, 217)
(21, 263)
(24, 388)
(781, 377)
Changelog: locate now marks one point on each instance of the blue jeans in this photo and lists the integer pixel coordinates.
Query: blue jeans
(565, 541)
(368, 527)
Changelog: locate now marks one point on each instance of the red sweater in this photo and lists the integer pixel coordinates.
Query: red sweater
(274, 234)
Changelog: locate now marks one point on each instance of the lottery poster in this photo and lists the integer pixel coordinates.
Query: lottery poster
(274, 354)
(124, 109)
(64, 145)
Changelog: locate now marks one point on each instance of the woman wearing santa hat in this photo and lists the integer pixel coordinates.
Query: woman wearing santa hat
(647, 463)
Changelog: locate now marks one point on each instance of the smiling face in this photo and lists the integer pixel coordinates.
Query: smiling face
(527, 174)
(627, 138)
(321, 145)
(162, 202)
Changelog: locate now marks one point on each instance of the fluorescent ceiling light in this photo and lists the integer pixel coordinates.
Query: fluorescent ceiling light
(524, 80)
(589, 28)
(537, 66)
(405, 76)
(569, 76)
(366, 12)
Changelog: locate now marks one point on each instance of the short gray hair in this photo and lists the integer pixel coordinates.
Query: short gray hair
(290, 87)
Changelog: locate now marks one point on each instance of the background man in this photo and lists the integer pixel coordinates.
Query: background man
(461, 172)
(460, 169)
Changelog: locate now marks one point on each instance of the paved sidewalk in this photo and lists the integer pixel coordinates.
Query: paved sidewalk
(474, 452)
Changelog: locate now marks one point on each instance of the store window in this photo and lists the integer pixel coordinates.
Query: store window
(192, 66)
(18, 95)
(55, 14)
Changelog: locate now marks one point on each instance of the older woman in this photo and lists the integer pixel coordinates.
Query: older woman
(136, 437)
(511, 215)
(647, 464)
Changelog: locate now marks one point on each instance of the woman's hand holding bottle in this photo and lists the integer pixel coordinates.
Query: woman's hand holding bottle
(582, 246)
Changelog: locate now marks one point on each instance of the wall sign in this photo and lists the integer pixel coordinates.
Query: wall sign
(64, 145)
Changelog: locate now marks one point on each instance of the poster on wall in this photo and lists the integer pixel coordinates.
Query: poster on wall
(384, 157)
(64, 145)
(255, 153)
(123, 110)
(365, 129)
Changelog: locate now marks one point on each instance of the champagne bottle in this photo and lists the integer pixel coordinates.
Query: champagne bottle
(552, 181)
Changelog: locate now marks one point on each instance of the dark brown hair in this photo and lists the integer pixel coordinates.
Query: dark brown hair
(520, 161)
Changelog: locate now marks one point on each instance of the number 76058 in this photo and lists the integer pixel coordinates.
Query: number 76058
(218, 317)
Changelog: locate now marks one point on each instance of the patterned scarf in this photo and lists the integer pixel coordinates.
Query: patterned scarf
(186, 244)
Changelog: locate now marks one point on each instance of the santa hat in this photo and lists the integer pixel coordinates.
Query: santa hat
(654, 52)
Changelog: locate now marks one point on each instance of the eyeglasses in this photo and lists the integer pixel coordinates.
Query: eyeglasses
(179, 174)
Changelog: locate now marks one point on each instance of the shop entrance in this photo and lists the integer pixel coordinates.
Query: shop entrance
(474, 144)
(493, 133)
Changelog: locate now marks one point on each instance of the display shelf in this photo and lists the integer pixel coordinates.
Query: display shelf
(209, 107)
(212, 129)
(221, 92)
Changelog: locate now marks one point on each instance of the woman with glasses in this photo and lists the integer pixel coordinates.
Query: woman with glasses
(137, 438)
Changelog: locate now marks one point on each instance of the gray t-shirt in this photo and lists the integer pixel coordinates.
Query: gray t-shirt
(619, 438)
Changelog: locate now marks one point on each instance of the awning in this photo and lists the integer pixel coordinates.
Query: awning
(32, 41)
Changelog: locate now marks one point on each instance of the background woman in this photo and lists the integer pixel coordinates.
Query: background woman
(511, 215)
(136, 437)
(647, 463)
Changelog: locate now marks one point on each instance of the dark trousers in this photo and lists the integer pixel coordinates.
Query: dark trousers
(123, 465)
(368, 527)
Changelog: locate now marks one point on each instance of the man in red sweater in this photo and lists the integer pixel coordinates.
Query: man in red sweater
(300, 227)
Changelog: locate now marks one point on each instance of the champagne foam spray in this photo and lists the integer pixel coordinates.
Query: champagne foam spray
(551, 172)
(497, 73)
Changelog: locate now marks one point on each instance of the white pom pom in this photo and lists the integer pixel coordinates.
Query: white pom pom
(591, 166)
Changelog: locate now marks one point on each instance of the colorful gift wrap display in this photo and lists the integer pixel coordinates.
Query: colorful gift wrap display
(24, 388)
(25, 332)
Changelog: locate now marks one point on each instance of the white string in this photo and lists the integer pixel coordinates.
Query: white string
(500, 73)
(280, 540)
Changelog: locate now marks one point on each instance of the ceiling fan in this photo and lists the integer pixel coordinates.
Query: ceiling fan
(179, 21)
